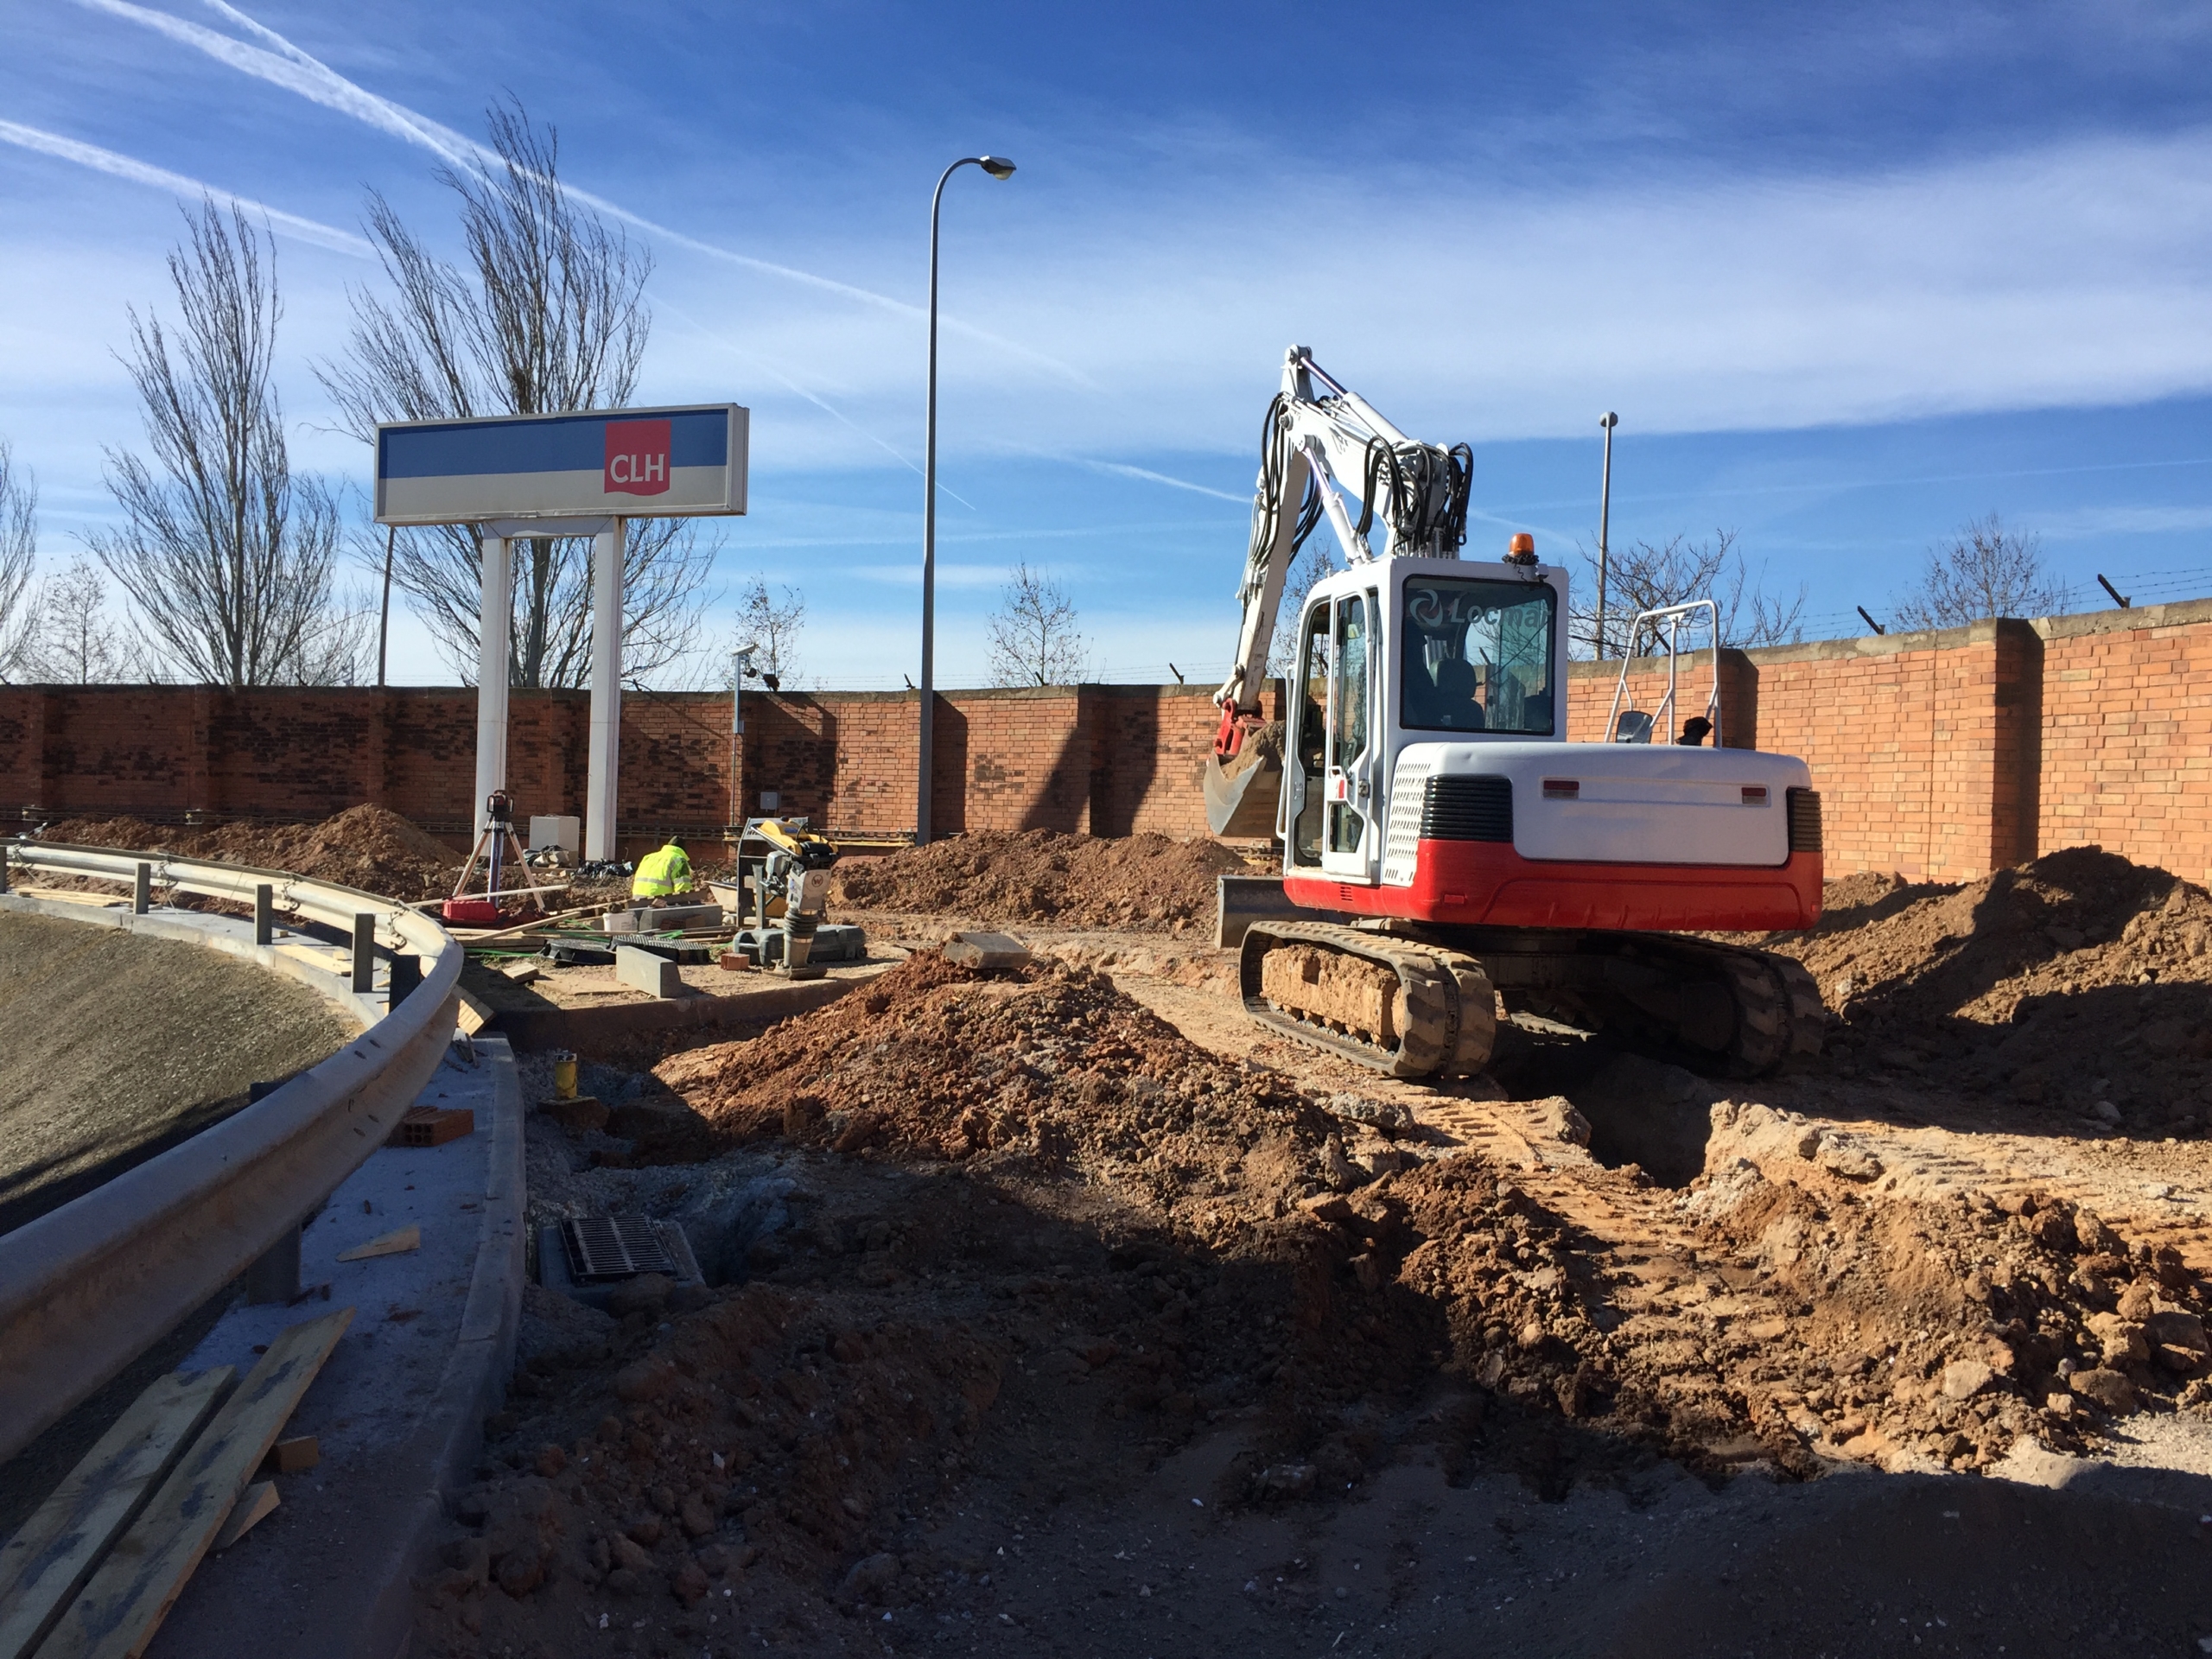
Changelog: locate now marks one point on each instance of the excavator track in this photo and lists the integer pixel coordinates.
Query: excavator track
(1416, 1007)
(1406, 1009)
(1750, 1011)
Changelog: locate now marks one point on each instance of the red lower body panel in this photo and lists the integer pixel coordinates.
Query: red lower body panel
(1487, 884)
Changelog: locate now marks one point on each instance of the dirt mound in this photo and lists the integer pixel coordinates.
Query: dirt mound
(365, 846)
(1145, 883)
(2079, 977)
(938, 1061)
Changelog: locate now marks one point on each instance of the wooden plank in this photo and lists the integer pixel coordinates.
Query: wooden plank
(46, 1564)
(116, 1614)
(396, 1242)
(249, 1512)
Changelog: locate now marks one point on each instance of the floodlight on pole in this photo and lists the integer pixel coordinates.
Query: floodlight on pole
(998, 168)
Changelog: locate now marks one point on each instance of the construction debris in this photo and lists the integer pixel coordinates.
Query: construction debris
(258, 1503)
(124, 1597)
(396, 1242)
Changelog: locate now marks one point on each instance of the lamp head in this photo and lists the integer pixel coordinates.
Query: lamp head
(997, 166)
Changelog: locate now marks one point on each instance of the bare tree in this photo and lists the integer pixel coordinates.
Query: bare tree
(1983, 570)
(769, 627)
(77, 642)
(1309, 569)
(548, 315)
(1644, 576)
(228, 557)
(18, 560)
(1032, 633)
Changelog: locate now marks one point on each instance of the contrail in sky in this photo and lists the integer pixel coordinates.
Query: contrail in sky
(822, 403)
(1150, 477)
(300, 72)
(124, 167)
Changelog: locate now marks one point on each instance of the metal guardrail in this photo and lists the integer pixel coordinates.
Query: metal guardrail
(87, 1288)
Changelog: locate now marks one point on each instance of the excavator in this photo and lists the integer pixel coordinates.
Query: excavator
(1444, 847)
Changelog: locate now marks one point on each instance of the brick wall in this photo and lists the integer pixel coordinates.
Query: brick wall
(1944, 755)
(1940, 755)
(1112, 758)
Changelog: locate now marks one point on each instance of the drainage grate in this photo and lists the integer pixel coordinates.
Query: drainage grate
(602, 1247)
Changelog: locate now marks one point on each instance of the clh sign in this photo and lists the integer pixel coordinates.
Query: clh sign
(687, 461)
(637, 457)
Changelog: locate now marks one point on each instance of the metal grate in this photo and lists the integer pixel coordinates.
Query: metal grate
(1467, 809)
(1804, 821)
(601, 1248)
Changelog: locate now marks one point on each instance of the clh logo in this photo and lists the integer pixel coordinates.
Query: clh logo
(637, 457)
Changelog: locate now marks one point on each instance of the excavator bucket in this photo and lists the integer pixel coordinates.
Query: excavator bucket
(1242, 795)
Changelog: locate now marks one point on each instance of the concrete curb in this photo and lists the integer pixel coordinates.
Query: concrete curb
(474, 1385)
(589, 1031)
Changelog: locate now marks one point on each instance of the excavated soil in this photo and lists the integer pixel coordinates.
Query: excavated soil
(1139, 883)
(2080, 979)
(363, 847)
(992, 1250)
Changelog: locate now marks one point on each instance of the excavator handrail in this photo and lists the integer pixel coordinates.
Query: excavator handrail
(1672, 617)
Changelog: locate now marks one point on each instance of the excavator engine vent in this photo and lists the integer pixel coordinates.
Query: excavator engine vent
(1467, 809)
(1804, 821)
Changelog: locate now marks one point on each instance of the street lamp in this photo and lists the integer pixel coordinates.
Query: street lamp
(1608, 421)
(998, 168)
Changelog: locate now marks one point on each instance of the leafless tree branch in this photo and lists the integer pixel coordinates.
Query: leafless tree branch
(1643, 576)
(1033, 639)
(226, 555)
(18, 562)
(1984, 570)
(547, 315)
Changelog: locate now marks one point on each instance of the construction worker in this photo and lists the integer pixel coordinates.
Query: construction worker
(662, 875)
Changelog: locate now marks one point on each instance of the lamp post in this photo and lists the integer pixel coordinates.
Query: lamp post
(998, 168)
(1608, 421)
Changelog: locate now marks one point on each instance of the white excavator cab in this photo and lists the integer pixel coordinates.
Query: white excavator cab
(1409, 650)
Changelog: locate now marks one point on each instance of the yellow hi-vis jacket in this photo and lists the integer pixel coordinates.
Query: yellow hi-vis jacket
(662, 872)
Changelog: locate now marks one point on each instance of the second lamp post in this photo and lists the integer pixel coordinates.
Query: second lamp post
(998, 168)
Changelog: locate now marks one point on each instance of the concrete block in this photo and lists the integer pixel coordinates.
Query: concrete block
(656, 976)
(987, 950)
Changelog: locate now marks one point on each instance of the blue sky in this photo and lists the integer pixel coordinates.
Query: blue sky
(1849, 280)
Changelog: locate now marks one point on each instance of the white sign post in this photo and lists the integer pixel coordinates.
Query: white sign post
(576, 474)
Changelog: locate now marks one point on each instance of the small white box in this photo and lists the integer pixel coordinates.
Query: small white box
(567, 833)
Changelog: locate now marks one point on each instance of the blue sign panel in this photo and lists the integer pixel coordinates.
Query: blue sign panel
(638, 463)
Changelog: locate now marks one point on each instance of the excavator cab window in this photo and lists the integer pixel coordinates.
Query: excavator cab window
(1312, 744)
(1478, 657)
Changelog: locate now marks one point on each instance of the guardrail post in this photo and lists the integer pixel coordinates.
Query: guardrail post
(364, 950)
(264, 913)
(142, 889)
(274, 1276)
(406, 975)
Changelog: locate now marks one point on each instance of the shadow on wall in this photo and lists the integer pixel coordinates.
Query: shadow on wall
(1125, 761)
(949, 769)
